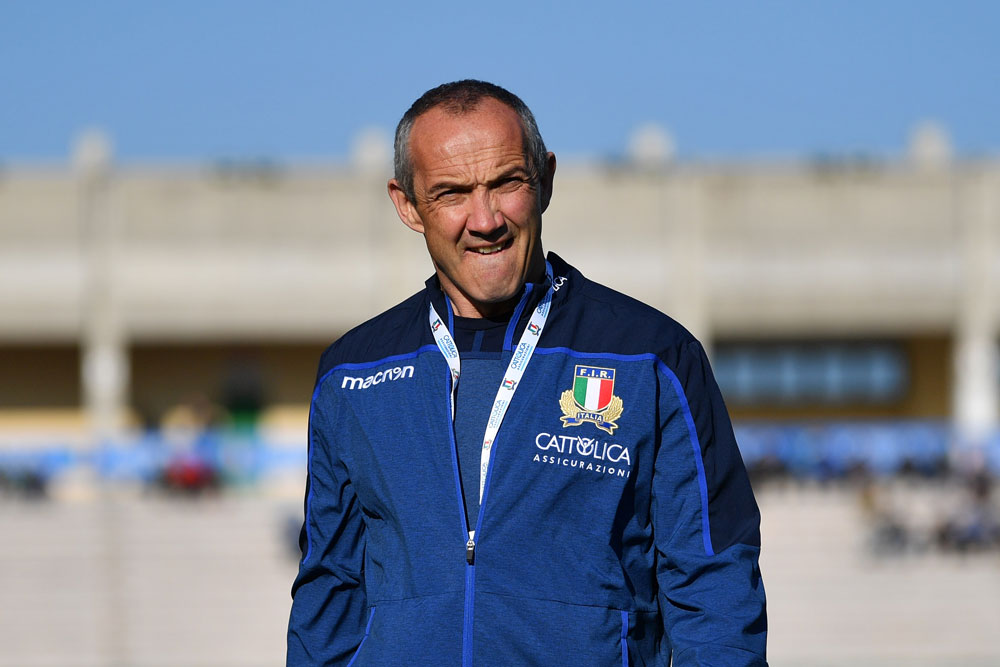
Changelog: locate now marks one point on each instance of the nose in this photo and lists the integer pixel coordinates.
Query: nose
(485, 219)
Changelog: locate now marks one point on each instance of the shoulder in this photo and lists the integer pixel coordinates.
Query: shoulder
(605, 320)
(393, 332)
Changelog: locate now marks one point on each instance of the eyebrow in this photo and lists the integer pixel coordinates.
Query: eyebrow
(447, 185)
(465, 187)
(518, 170)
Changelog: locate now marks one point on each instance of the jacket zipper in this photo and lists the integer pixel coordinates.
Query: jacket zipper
(470, 546)
(470, 592)
(470, 554)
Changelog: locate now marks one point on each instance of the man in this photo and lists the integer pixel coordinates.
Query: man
(517, 466)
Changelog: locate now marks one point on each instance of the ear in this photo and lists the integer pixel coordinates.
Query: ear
(405, 209)
(545, 187)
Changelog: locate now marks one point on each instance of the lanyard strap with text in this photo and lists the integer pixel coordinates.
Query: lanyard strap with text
(515, 369)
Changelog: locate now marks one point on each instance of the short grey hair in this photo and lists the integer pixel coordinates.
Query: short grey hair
(461, 97)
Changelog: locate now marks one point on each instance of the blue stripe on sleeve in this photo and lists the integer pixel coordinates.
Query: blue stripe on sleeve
(624, 638)
(706, 533)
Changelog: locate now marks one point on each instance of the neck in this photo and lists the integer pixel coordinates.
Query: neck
(463, 306)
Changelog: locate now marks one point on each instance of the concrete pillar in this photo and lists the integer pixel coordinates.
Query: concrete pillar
(977, 360)
(104, 356)
(686, 226)
(371, 164)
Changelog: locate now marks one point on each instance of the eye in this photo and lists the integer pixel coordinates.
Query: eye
(510, 182)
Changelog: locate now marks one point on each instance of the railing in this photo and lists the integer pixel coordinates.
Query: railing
(819, 450)
(827, 450)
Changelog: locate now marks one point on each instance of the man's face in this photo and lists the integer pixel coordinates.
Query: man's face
(477, 204)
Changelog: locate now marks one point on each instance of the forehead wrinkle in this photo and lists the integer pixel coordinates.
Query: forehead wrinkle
(477, 161)
(473, 143)
(465, 162)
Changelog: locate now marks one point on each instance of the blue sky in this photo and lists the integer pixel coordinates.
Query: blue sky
(195, 81)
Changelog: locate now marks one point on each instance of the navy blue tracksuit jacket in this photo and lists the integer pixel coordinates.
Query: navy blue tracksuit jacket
(617, 525)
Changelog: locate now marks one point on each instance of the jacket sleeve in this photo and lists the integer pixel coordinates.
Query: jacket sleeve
(329, 614)
(706, 525)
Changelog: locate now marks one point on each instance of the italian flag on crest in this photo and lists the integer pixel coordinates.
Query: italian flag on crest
(593, 387)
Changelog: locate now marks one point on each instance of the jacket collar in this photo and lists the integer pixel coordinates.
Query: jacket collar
(535, 292)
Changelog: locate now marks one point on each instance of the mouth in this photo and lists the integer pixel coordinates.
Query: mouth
(492, 249)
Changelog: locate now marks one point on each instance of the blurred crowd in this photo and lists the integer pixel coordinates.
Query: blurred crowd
(204, 448)
(966, 518)
(918, 489)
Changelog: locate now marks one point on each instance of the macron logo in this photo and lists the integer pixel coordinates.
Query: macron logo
(397, 373)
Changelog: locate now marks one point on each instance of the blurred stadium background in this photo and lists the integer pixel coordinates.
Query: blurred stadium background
(162, 308)
(161, 326)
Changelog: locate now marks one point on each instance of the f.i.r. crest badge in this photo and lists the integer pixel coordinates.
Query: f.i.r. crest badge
(592, 399)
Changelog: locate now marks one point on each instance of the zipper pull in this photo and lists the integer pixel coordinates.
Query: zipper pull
(470, 551)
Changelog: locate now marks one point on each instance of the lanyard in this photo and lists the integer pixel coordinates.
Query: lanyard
(515, 369)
